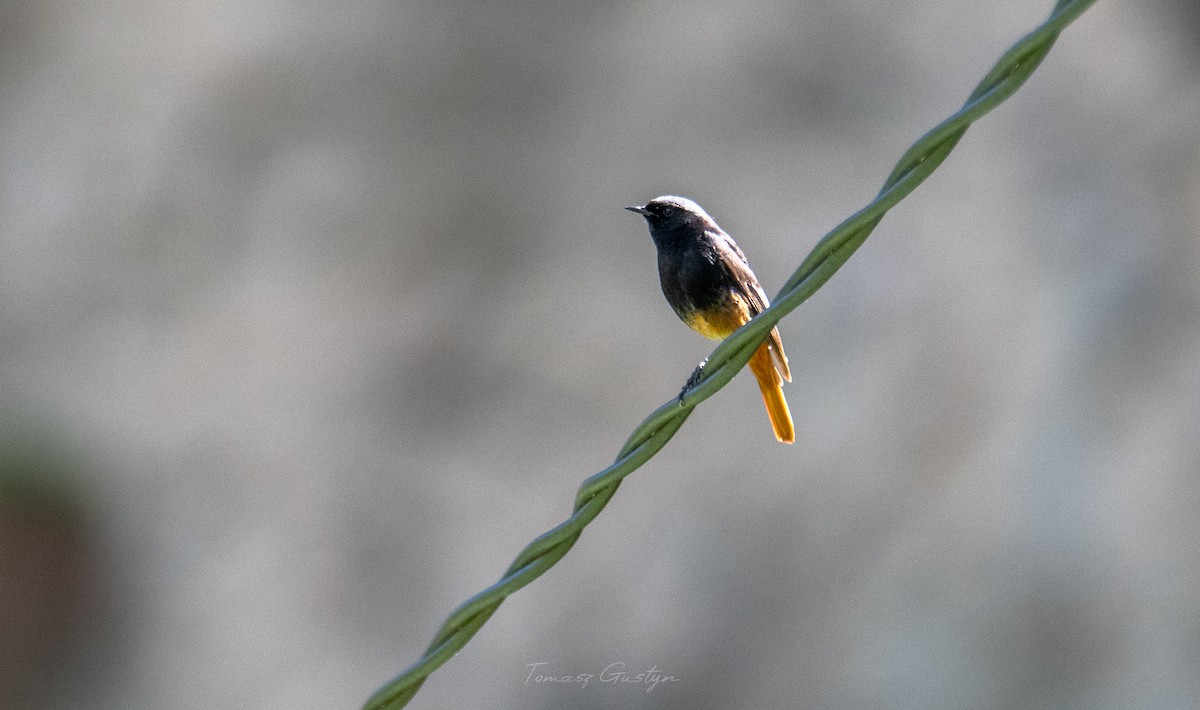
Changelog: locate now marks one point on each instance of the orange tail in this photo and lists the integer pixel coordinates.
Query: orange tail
(770, 382)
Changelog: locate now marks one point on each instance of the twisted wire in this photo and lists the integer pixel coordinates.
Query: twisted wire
(917, 163)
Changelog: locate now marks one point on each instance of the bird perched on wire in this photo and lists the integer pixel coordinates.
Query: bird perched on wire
(708, 282)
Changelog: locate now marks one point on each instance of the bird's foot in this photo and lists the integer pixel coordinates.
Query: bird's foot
(693, 380)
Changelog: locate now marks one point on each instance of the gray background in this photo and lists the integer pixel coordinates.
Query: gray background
(336, 305)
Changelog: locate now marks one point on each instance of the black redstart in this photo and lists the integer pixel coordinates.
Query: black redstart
(707, 281)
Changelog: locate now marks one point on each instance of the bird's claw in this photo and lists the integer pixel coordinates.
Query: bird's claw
(693, 380)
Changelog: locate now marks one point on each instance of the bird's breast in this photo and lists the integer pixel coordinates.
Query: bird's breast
(700, 291)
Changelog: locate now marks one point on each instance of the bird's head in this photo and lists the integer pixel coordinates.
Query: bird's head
(669, 213)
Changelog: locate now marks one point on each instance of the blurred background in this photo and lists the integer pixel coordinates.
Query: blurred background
(312, 315)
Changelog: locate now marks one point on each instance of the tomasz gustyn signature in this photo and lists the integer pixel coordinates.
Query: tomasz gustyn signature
(615, 673)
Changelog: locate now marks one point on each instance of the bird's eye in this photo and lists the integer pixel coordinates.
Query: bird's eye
(668, 211)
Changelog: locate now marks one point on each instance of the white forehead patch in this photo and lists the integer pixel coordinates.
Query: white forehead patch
(682, 202)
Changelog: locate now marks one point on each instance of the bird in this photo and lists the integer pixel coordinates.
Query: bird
(708, 282)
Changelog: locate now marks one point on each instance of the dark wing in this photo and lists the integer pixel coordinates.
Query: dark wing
(734, 262)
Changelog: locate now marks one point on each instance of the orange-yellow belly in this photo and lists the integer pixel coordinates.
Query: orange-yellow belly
(718, 323)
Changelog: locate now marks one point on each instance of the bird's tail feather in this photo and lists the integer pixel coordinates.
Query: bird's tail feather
(771, 383)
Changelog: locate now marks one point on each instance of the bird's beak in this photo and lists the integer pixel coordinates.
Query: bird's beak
(639, 209)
